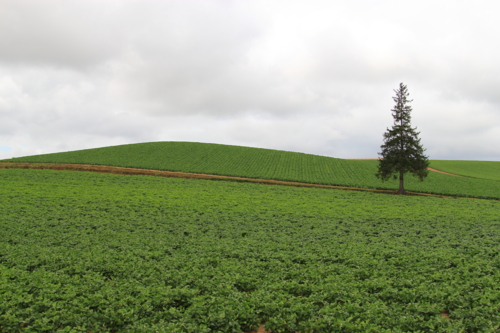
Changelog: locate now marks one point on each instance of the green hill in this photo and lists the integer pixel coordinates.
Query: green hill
(249, 162)
(207, 158)
(476, 169)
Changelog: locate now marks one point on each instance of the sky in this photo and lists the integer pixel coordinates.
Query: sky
(310, 76)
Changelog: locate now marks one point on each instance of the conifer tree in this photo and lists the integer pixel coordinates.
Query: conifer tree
(402, 152)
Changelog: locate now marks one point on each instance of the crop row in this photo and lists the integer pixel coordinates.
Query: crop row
(477, 169)
(107, 253)
(266, 164)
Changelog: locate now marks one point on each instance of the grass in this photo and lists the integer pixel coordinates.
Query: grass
(265, 164)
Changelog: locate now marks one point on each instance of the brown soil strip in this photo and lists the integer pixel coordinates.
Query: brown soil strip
(446, 173)
(161, 173)
(186, 175)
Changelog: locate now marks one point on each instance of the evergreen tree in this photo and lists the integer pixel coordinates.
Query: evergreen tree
(402, 151)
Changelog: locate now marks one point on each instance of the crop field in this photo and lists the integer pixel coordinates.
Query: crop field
(88, 252)
(268, 164)
(477, 169)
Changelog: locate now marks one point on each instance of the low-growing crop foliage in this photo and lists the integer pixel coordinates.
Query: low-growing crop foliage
(263, 163)
(477, 169)
(84, 252)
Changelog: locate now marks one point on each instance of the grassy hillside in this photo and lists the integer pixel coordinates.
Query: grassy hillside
(92, 252)
(476, 169)
(262, 163)
(203, 158)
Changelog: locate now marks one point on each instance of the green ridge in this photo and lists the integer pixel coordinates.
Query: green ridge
(249, 162)
(477, 169)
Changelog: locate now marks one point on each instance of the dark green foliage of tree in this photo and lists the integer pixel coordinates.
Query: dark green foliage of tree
(402, 152)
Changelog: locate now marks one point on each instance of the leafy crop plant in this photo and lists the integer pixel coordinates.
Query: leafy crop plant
(84, 252)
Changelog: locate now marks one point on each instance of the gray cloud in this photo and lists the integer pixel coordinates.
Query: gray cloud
(60, 33)
(315, 77)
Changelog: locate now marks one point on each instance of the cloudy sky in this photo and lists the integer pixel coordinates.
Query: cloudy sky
(307, 76)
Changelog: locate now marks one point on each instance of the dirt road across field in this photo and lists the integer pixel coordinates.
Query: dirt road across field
(446, 173)
(186, 175)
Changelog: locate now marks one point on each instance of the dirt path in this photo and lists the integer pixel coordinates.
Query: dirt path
(186, 175)
(376, 159)
(446, 173)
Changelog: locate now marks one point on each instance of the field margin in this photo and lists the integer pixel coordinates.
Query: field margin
(187, 175)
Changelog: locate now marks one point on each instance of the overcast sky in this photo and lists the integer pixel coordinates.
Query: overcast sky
(306, 76)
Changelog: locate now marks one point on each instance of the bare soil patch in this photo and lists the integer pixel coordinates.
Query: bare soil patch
(261, 330)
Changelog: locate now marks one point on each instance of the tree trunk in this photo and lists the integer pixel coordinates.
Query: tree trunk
(401, 184)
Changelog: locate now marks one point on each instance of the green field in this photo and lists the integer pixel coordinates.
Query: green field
(267, 164)
(477, 169)
(88, 252)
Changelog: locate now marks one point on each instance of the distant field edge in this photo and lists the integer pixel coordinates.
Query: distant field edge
(473, 169)
(187, 175)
